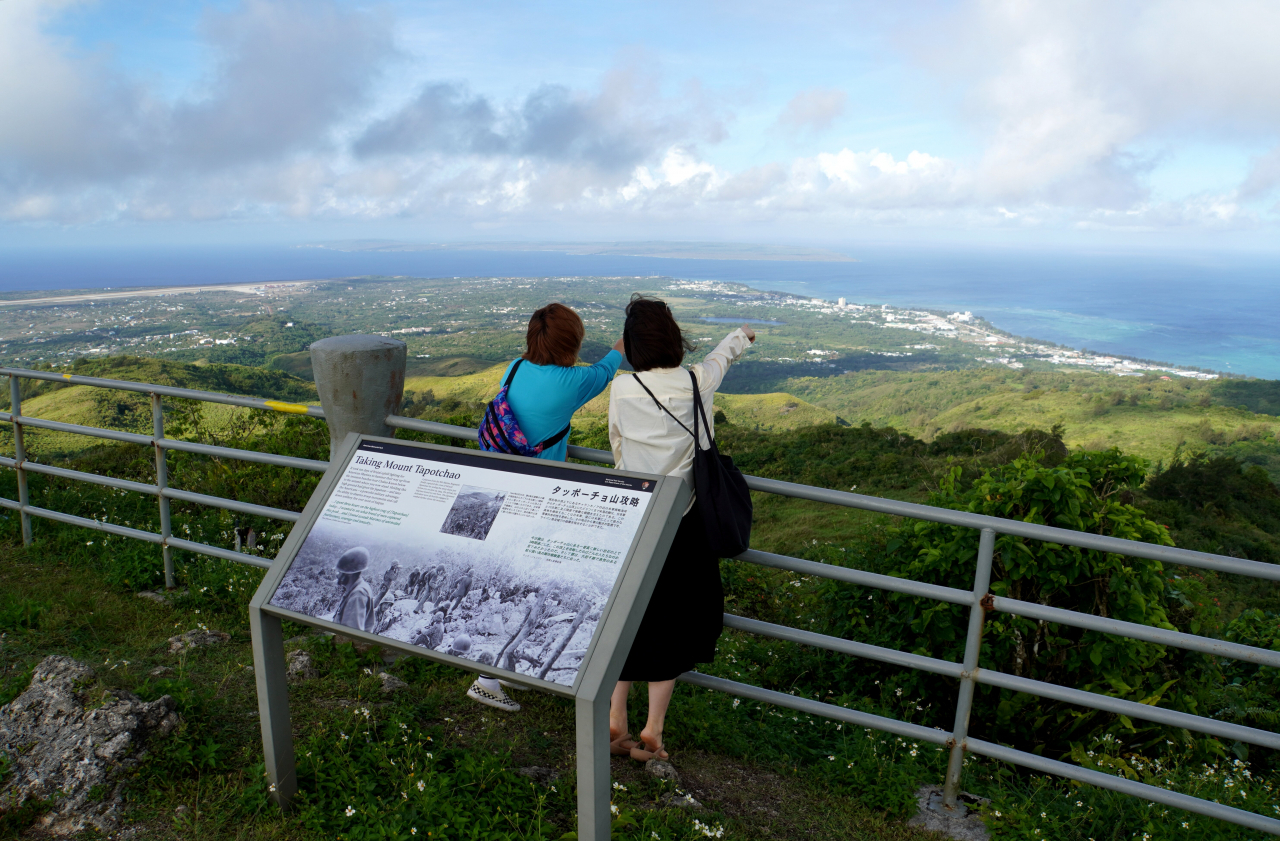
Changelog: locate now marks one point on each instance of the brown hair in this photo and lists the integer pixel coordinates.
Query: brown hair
(651, 337)
(554, 337)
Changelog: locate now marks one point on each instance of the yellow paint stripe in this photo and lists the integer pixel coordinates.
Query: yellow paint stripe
(66, 377)
(294, 408)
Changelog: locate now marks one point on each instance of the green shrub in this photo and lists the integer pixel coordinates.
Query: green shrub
(1088, 492)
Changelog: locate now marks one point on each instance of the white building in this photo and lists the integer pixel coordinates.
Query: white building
(842, 302)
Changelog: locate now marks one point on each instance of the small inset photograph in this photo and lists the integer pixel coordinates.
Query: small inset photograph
(473, 512)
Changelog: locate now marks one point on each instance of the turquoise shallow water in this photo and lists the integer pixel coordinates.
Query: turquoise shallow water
(1216, 311)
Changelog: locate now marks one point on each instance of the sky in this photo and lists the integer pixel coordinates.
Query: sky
(1099, 124)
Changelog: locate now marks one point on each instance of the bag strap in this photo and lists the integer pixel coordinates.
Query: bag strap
(511, 376)
(693, 431)
(555, 439)
(699, 410)
(550, 442)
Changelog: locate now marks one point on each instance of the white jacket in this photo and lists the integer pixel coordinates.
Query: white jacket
(646, 439)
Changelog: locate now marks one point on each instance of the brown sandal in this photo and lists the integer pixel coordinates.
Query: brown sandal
(640, 753)
(616, 747)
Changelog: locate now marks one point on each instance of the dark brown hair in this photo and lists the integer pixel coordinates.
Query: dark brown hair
(651, 337)
(554, 337)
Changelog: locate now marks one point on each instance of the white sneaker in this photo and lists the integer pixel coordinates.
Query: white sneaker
(519, 687)
(497, 700)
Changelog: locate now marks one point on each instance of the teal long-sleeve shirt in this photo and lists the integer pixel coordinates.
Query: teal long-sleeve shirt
(544, 397)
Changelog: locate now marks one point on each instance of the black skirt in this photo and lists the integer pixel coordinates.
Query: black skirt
(686, 613)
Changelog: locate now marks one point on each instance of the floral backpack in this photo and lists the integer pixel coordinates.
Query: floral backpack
(499, 432)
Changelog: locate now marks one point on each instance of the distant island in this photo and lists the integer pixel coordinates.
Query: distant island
(669, 250)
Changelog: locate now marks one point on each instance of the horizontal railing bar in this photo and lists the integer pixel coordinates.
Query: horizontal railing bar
(242, 455)
(857, 576)
(843, 646)
(1017, 528)
(1132, 630)
(84, 522)
(805, 705)
(1092, 700)
(999, 752)
(216, 552)
(77, 429)
(897, 508)
(1133, 709)
(136, 534)
(1154, 794)
(169, 391)
(233, 505)
(170, 443)
(450, 431)
(589, 454)
(433, 427)
(153, 490)
(80, 476)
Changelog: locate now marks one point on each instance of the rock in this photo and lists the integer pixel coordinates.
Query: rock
(545, 776)
(161, 671)
(964, 825)
(196, 638)
(162, 597)
(662, 769)
(680, 800)
(300, 666)
(390, 656)
(74, 745)
(391, 683)
(360, 646)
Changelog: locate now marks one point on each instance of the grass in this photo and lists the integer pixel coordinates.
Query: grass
(208, 767)
(1146, 416)
(762, 772)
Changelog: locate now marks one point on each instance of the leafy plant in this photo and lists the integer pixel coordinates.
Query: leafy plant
(1086, 491)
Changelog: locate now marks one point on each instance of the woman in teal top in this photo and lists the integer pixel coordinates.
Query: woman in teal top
(546, 391)
(549, 387)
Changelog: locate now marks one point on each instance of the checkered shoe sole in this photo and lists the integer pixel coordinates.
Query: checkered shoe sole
(498, 701)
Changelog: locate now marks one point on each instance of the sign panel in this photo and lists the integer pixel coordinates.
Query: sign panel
(507, 563)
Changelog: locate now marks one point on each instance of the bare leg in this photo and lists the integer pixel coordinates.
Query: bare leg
(659, 698)
(618, 710)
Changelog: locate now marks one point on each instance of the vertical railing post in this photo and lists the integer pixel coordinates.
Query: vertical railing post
(969, 676)
(20, 455)
(162, 482)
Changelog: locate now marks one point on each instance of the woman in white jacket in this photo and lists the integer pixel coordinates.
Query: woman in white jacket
(684, 617)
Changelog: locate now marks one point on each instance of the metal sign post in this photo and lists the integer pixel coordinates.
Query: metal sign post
(594, 537)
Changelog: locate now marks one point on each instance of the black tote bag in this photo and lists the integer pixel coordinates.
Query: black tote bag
(723, 496)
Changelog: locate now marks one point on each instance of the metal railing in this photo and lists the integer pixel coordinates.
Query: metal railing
(160, 446)
(979, 600)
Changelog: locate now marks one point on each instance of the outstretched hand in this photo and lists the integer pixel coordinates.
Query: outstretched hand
(619, 347)
(751, 334)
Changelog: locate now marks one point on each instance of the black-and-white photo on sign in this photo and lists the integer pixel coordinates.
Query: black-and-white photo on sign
(473, 512)
(507, 563)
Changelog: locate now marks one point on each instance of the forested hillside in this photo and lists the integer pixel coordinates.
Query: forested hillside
(1155, 417)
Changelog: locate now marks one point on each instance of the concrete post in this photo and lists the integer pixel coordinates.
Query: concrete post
(361, 381)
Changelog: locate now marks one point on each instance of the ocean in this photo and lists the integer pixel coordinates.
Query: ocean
(1214, 311)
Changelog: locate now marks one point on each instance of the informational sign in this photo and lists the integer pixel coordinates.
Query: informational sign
(504, 563)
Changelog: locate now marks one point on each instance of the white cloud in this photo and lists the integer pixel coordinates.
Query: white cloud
(1066, 103)
(813, 109)
(1068, 97)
